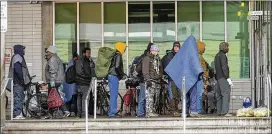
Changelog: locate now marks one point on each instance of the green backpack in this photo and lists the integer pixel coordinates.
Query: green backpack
(103, 61)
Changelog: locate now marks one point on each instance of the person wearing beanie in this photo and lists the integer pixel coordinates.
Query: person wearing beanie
(174, 93)
(223, 80)
(115, 74)
(152, 73)
(54, 73)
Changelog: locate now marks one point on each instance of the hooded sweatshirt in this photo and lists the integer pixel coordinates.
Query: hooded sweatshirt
(201, 49)
(169, 55)
(18, 65)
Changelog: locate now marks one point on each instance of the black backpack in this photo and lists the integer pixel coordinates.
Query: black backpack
(70, 74)
(139, 65)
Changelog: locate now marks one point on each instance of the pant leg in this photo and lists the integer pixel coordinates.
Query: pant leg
(156, 94)
(113, 85)
(218, 97)
(170, 93)
(150, 92)
(193, 100)
(141, 102)
(74, 103)
(84, 96)
(91, 103)
(176, 96)
(225, 92)
(199, 87)
(18, 96)
(79, 100)
(211, 100)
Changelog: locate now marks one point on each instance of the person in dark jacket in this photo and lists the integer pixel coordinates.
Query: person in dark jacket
(115, 74)
(141, 103)
(223, 80)
(84, 74)
(174, 94)
(19, 73)
(152, 72)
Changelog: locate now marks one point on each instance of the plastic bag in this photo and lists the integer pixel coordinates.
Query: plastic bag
(261, 112)
(245, 112)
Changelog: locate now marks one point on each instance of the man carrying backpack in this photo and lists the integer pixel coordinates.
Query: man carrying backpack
(174, 93)
(141, 102)
(115, 74)
(152, 73)
(84, 67)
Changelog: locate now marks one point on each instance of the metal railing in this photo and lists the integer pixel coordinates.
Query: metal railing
(3, 90)
(184, 104)
(93, 86)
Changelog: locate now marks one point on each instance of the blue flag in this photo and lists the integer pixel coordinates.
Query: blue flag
(186, 63)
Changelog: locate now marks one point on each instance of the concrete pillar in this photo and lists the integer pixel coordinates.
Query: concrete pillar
(2, 77)
(47, 28)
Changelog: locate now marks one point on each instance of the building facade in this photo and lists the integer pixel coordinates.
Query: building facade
(71, 25)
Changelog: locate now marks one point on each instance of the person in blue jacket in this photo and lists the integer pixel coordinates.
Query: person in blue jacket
(70, 89)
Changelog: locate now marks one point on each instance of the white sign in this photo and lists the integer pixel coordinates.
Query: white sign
(4, 16)
(254, 13)
(252, 17)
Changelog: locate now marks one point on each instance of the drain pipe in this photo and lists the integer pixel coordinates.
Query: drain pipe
(184, 104)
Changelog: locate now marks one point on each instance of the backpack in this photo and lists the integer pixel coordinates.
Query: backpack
(54, 100)
(70, 74)
(139, 65)
(103, 62)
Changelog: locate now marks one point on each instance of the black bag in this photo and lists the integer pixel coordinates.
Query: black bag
(139, 65)
(70, 74)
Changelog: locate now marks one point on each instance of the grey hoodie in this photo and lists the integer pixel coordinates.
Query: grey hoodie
(54, 70)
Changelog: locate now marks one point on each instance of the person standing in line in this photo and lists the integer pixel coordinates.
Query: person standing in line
(18, 71)
(152, 73)
(54, 73)
(84, 74)
(223, 80)
(174, 93)
(115, 74)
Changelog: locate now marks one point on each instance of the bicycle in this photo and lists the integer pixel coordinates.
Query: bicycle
(163, 106)
(103, 98)
(131, 97)
(35, 103)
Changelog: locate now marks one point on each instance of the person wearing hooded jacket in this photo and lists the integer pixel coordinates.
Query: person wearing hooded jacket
(141, 97)
(19, 72)
(174, 93)
(54, 74)
(115, 74)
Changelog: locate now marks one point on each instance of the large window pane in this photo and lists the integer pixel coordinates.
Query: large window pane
(164, 25)
(115, 25)
(139, 28)
(90, 33)
(65, 29)
(213, 28)
(188, 20)
(238, 38)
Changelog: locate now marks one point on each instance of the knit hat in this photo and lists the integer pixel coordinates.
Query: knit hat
(154, 48)
(176, 43)
(52, 49)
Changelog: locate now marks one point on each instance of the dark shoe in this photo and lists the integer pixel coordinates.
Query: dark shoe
(116, 116)
(66, 114)
(73, 114)
(141, 116)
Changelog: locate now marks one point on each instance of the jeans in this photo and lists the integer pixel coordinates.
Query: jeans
(199, 92)
(18, 96)
(170, 95)
(141, 98)
(191, 99)
(113, 85)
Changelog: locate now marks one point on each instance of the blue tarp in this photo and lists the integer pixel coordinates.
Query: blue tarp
(186, 63)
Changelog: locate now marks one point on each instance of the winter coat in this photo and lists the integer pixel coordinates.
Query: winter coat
(54, 70)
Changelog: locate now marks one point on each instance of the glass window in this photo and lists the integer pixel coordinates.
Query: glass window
(238, 38)
(213, 28)
(164, 25)
(188, 20)
(65, 29)
(90, 34)
(139, 28)
(115, 25)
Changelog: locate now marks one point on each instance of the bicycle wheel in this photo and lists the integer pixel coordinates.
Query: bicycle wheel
(37, 105)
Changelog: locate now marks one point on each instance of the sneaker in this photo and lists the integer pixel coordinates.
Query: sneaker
(227, 115)
(176, 114)
(66, 114)
(152, 115)
(19, 117)
(195, 115)
(140, 116)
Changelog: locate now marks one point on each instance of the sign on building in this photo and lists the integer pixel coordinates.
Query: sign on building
(4, 16)
(8, 54)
